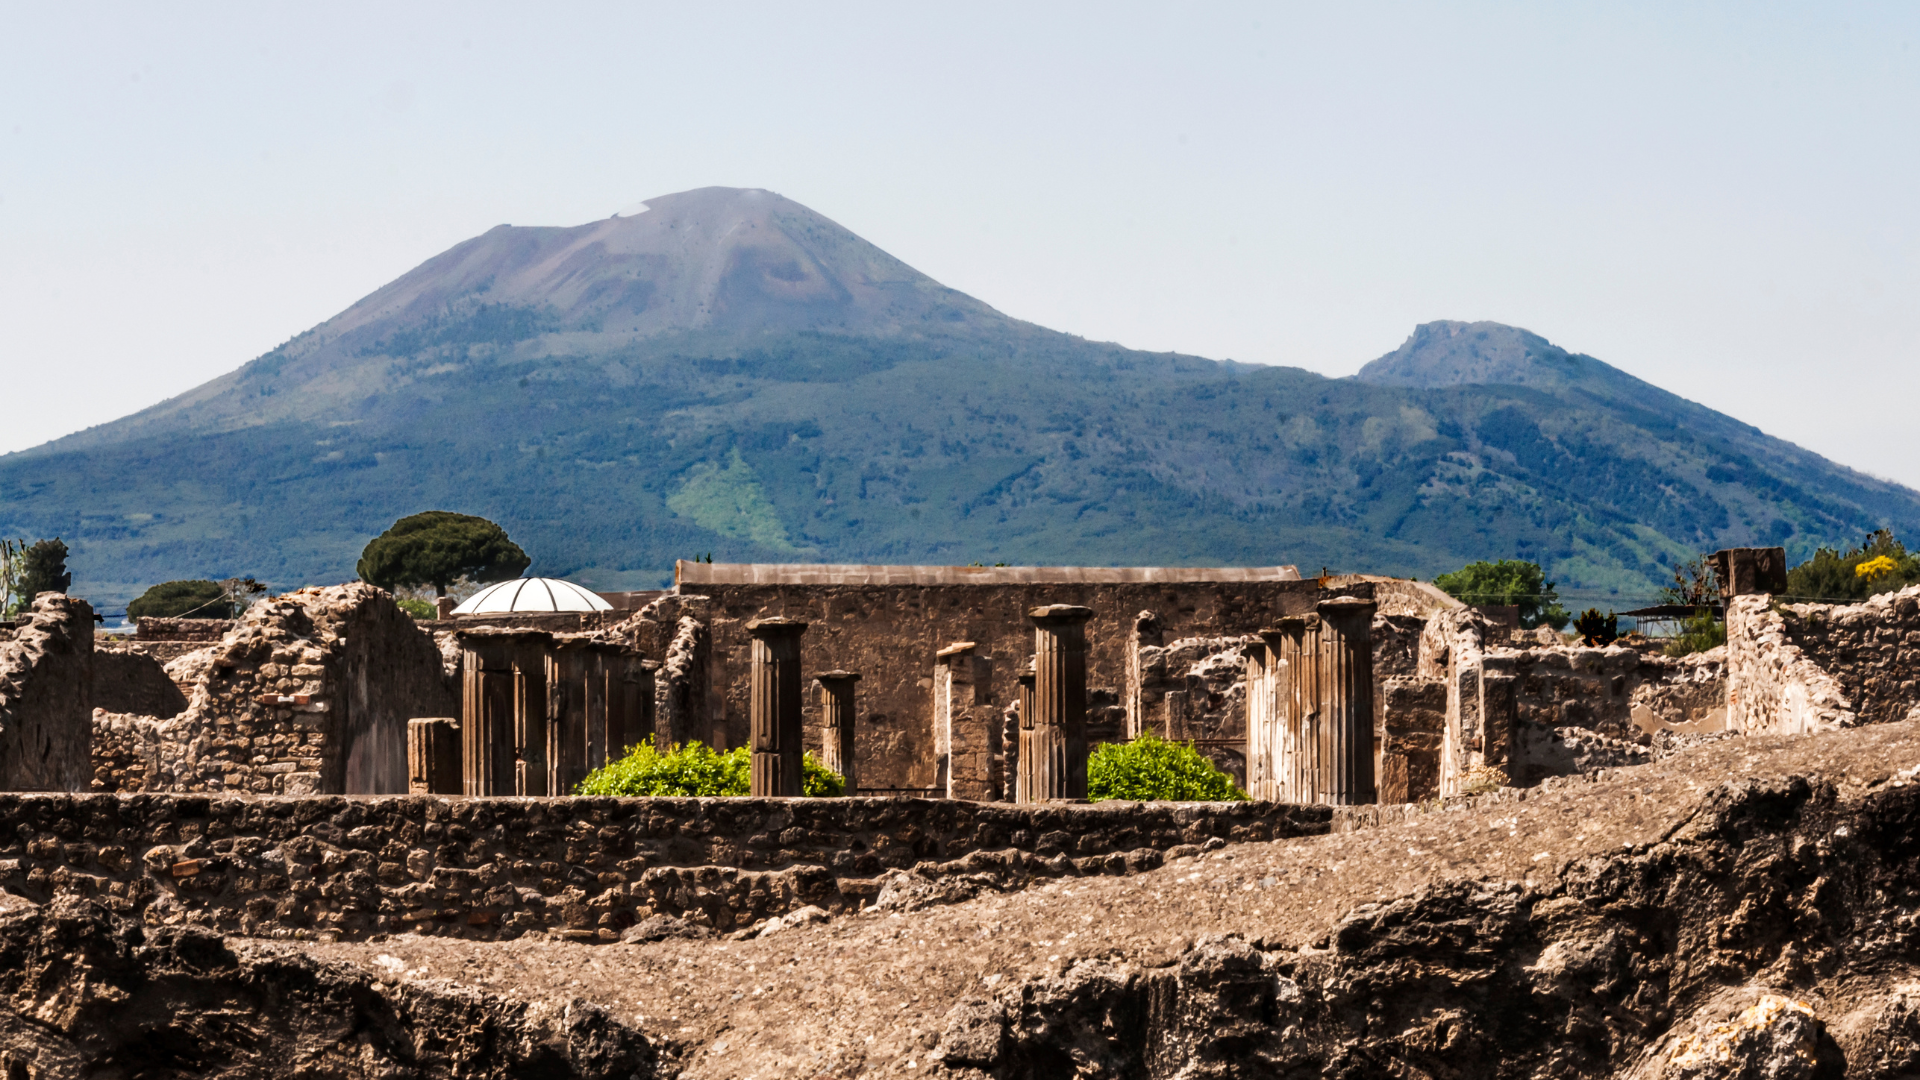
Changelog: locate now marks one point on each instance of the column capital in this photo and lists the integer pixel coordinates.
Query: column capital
(837, 676)
(1061, 613)
(776, 626)
(1347, 606)
(956, 649)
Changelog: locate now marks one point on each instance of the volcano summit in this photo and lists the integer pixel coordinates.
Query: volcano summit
(727, 371)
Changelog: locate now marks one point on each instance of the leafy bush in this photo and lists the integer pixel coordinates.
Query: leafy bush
(1698, 633)
(419, 609)
(696, 770)
(1150, 768)
(197, 599)
(1880, 564)
(1509, 581)
(1596, 629)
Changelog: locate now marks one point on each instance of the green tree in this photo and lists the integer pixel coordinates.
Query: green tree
(197, 599)
(1509, 581)
(1880, 564)
(1152, 769)
(41, 567)
(439, 547)
(697, 770)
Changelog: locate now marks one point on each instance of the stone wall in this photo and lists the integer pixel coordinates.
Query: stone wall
(127, 680)
(1773, 687)
(1871, 649)
(890, 632)
(1195, 690)
(206, 631)
(492, 868)
(46, 684)
(1533, 713)
(309, 692)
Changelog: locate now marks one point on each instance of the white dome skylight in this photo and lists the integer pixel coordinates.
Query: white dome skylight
(531, 595)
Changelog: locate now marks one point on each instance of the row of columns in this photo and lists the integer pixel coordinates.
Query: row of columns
(1051, 758)
(1310, 707)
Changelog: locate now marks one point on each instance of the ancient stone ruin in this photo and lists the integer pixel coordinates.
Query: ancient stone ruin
(325, 839)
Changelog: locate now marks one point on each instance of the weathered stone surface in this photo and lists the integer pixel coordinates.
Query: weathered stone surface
(83, 993)
(307, 692)
(1773, 686)
(46, 690)
(492, 868)
(1674, 897)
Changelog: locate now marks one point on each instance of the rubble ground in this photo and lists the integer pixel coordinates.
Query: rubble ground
(891, 992)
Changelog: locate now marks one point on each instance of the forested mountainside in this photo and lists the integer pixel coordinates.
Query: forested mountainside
(730, 373)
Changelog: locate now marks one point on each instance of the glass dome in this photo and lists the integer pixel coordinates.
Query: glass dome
(530, 595)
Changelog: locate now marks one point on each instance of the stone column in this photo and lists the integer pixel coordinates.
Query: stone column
(836, 724)
(433, 756)
(774, 706)
(964, 722)
(1053, 752)
(1016, 746)
(1346, 702)
(1263, 677)
(1296, 693)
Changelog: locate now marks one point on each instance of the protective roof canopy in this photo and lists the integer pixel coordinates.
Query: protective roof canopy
(531, 594)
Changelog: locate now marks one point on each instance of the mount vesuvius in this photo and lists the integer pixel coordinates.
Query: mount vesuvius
(730, 372)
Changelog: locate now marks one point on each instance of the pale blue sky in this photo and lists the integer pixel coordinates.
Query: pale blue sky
(1718, 198)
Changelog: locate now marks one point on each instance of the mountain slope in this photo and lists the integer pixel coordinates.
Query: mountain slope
(730, 373)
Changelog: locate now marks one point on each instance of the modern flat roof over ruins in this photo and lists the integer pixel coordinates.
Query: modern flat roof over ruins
(698, 573)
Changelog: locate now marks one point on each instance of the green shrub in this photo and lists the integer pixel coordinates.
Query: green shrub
(419, 609)
(1880, 564)
(183, 600)
(696, 770)
(1698, 633)
(1150, 768)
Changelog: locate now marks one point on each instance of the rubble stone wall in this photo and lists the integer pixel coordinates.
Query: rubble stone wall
(46, 689)
(131, 681)
(1533, 713)
(890, 634)
(1871, 649)
(1773, 687)
(309, 692)
(491, 868)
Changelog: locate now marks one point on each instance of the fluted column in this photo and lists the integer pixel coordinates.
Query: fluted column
(1053, 753)
(1296, 695)
(1263, 680)
(1346, 702)
(1018, 744)
(774, 706)
(836, 724)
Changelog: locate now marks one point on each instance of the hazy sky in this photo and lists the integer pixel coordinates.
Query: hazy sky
(1724, 200)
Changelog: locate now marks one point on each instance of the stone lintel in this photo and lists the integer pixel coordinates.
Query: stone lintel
(956, 649)
(776, 626)
(838, 676)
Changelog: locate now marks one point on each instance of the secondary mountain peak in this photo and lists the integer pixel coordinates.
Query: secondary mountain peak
(1451, 353)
